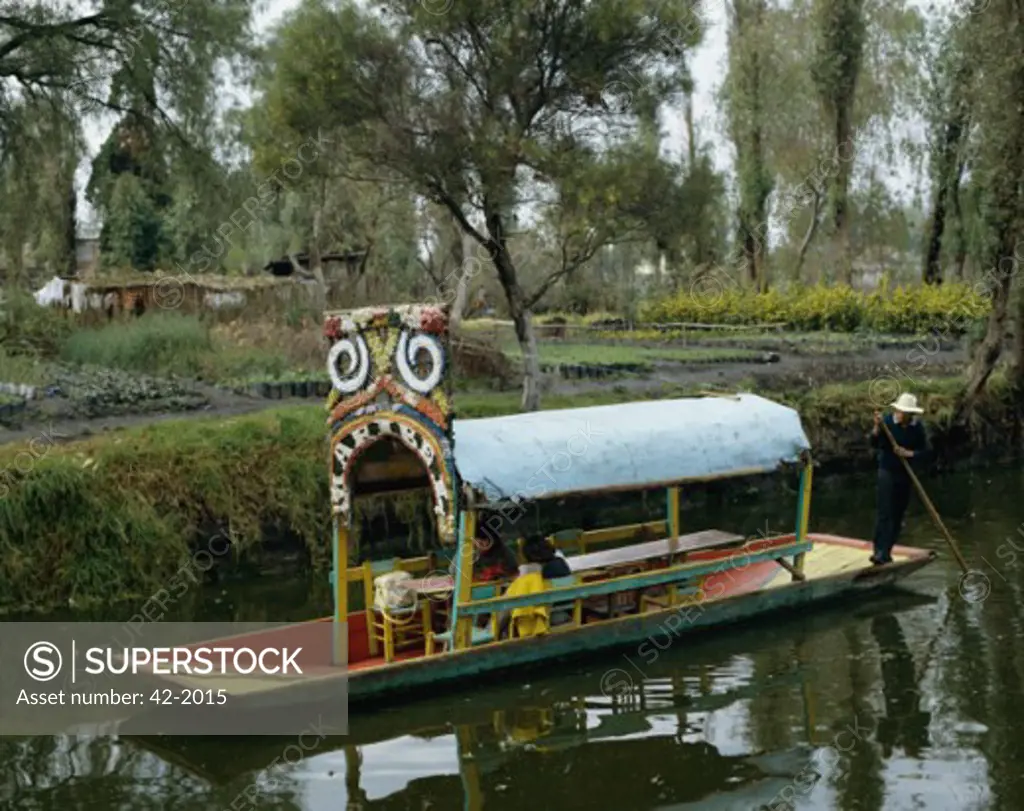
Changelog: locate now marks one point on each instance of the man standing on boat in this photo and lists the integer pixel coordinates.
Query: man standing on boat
(893, 480)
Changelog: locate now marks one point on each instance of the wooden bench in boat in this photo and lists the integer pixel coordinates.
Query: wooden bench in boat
(640, 554)
(652, 550)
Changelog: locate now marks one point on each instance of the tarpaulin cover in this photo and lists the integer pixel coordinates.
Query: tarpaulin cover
(633, 445)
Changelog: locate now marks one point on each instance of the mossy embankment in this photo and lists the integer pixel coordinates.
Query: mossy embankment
(116, 517)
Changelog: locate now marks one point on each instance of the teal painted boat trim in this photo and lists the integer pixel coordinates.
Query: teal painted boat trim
(640, 581)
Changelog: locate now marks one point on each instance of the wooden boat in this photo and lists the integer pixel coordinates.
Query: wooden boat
(393, 429)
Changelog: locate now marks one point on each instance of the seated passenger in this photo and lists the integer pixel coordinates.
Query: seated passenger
(538, 549)
(542, 564)
(492, 559)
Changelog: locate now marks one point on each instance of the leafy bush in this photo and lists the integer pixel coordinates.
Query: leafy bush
(952, 308)
(106, 519)
(169, 342)
(28, 329)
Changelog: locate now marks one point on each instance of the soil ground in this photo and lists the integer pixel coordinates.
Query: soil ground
(790, 371)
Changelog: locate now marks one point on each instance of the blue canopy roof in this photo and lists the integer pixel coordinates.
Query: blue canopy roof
(544, 454)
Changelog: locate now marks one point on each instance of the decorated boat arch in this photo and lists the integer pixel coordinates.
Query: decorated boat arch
(390, 376)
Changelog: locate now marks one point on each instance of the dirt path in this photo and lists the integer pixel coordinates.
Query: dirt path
(65, 429)
(791, 370)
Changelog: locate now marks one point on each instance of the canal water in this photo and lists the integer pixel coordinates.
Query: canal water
(909, 700)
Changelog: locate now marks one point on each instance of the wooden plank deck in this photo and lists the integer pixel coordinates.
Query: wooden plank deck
(831, 557)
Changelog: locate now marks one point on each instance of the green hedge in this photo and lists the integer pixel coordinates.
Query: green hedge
(116, 517)
(952, 308)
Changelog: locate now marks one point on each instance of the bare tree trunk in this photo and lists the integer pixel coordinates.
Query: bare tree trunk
(812, 229)
(531, 362)
(691, 140)
(932, 271)
(70, 236)
(315, 254)
(522, 318)
(464, 268)
(989, 350)
(841, 214)
(957, 211)
(949, 166)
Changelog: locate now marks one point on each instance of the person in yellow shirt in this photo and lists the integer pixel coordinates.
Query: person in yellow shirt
(531, 620)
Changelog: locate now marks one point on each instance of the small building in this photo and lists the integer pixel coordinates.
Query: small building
(350, 260)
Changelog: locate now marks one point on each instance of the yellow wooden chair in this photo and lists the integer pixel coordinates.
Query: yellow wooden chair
(395, 632)
(479, 636)
(670, 598)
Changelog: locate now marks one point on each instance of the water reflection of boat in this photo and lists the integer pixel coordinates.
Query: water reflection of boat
(515, 737)
(393, 431)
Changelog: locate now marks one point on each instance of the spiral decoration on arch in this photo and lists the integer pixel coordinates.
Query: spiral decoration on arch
(348, 364)
(405, 359)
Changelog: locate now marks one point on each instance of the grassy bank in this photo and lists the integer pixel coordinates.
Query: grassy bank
(117, 517)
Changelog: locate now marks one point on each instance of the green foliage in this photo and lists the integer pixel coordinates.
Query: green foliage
(28, 329)
(105, 520)
(169, 342)
(132, 228)
(492, 119)
(915, 310)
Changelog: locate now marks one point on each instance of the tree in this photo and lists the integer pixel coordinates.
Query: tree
(999, 98)
(97, 53)
(147, 60)
(949, 144)
(836, 68)
(43, 144)
(747, 110)
(494, 105)
(132, 231)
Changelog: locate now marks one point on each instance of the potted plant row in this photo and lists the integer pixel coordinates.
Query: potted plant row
(294, 384)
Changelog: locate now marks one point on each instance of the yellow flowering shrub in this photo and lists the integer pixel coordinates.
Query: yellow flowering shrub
(904, 310)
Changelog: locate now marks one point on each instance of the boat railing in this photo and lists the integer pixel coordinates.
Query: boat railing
(588, 539)
(763, 551)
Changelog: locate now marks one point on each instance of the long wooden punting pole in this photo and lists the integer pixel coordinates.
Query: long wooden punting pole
(927, 502)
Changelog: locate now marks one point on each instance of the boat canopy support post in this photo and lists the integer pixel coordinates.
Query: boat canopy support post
(672, 524)
(462, 627)
(803, 511)
(339, 647)
(672, 518)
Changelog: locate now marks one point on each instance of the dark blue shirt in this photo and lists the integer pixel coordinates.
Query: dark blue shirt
(908, 435)
(555, 568)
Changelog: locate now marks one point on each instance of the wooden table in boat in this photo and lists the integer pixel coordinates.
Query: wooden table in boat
(652, 550)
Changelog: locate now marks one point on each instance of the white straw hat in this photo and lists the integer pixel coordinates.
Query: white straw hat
(907, 403)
